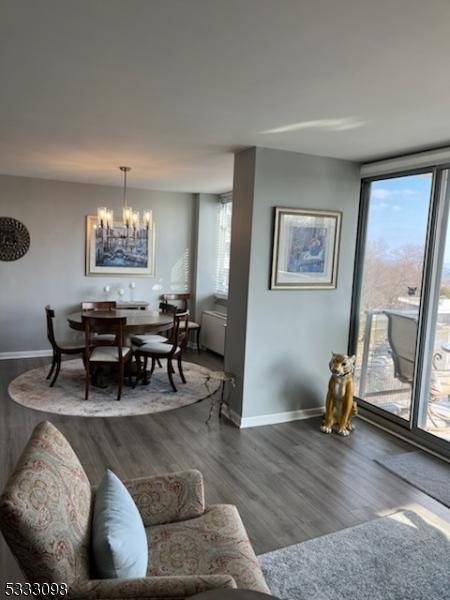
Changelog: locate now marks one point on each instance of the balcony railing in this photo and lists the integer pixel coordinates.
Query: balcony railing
(379, 382)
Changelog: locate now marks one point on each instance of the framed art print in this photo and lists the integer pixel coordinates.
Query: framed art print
(119, 250)
(305, 249)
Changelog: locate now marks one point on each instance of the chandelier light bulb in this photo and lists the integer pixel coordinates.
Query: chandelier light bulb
(109, 219)
(127, 215)
(135, 218)
(148, 219)
(101, 216)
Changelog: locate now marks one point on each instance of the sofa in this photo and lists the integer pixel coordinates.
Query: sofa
(46, 513)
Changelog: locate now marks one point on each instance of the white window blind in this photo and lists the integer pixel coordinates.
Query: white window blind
(224, 211)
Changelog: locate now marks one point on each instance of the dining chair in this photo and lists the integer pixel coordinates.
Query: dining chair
(183, 300)
(166, 307)
(97, 354)
(141, 339)
(58, 349)
(170, 351)
(102, 305)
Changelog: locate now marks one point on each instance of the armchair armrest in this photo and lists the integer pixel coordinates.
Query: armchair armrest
(169, 497)
(148, 588)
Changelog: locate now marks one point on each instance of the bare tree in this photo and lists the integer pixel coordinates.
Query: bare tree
(388, 272)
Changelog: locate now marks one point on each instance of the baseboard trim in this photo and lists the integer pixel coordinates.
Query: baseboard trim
(283, 417)
(25, 354)
(231, 415)
(272, 418)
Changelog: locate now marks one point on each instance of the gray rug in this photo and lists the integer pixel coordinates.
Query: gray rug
(400, 557)
(428, 474)
(31, 389)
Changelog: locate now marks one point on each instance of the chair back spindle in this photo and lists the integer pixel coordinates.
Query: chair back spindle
(180, 329)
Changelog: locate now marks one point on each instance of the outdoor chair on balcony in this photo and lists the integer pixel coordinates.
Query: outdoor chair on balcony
(402, 335)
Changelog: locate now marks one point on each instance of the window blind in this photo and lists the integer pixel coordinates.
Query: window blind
(224, 212)
(408, 162)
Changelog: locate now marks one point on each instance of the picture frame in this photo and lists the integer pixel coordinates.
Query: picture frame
(305, 252)
(119, 250)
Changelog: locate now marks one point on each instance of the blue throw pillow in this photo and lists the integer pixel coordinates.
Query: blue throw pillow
(119, 541)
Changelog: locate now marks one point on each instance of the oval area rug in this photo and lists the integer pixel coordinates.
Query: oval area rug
(32, 390)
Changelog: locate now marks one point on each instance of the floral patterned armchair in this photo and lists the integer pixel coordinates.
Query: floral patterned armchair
(45, 516)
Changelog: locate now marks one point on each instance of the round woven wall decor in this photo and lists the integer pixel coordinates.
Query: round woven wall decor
(14, 239)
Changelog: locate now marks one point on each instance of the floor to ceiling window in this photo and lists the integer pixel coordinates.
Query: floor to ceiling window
(391, 290)
(401, 309)
(433, 399)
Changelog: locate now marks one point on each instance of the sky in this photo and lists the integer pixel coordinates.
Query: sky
(399, 211)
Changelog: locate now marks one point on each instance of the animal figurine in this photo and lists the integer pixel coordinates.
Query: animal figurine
(340, 406)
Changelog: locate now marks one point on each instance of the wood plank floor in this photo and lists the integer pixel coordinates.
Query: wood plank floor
(289, 481)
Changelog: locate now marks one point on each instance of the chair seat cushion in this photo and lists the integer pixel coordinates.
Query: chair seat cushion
(107, 353)
(80, 348)
(214, 543)
(140, 340)
(157, 349)
(105, 337)
(119, 540)
(193, 325)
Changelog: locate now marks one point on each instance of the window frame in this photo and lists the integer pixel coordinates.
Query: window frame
(220, 293)
(407, 429)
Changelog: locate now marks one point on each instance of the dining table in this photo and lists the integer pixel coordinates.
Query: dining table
(137, 321)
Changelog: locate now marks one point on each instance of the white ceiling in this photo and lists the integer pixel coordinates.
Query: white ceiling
(172, 87)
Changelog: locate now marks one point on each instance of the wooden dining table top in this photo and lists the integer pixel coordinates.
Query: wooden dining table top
(138, 321)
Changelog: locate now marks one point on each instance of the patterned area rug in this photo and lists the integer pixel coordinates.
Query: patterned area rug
(32, 390)
(393, 558)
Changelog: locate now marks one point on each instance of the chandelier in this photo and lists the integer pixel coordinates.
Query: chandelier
(130, 218)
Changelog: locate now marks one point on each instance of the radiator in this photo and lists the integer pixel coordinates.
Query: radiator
(213, 331)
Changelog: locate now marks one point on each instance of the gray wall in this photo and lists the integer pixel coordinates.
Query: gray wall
(53, 271)
(241, 241)
(204, 285)
(280, 341)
